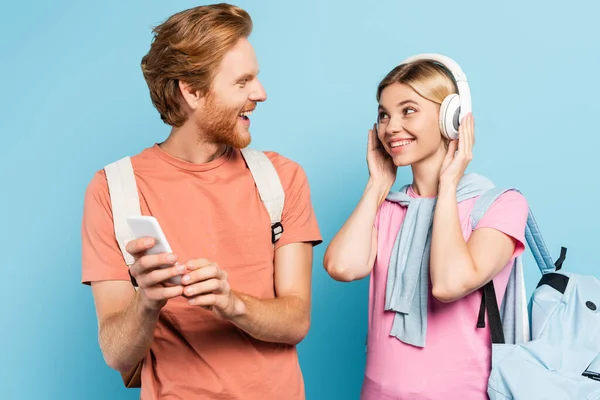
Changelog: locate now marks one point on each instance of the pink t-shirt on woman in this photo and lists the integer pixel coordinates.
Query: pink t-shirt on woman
(455, 362)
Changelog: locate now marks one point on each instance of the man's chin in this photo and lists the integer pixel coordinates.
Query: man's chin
(238, 141)
(242, 139)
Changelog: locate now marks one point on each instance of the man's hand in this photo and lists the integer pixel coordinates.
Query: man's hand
(282, 319)
(152, 272)
(206, 285)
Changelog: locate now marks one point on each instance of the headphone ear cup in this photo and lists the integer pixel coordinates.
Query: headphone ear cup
(449, 114)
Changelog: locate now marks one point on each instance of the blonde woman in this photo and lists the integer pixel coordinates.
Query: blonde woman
(426, 263)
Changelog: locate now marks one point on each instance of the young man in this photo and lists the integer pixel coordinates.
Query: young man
(229, 330)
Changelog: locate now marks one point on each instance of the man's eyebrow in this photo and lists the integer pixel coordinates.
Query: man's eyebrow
(248, 76)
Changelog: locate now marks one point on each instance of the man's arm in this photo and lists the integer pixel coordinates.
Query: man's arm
(125, 328)
(126, 317)
(284, 319)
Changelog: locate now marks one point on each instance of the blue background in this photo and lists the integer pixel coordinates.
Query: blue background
(73, 99)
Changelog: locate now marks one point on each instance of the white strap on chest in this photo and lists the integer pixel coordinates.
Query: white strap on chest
(269, 187)
(124, 199)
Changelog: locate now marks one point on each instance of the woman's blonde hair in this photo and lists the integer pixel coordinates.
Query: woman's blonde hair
(429, 79)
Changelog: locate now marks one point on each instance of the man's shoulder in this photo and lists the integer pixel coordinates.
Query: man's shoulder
(283, 164)
(98, 184)
(141, 158)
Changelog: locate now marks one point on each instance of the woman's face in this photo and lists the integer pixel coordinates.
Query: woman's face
(408, 125)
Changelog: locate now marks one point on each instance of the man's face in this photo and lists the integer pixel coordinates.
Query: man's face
(224, 116)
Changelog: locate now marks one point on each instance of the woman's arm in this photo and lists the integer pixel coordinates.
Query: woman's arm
(351, 253)
(457, 267)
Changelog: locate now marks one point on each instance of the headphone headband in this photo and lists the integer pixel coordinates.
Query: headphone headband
(459, 77)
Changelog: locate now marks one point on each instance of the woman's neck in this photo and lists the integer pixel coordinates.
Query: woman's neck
(426, 174)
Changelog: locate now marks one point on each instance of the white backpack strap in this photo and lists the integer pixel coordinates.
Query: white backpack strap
(269, 187)
(124, 199)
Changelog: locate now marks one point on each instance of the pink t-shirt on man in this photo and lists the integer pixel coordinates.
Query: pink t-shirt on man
(456, 360)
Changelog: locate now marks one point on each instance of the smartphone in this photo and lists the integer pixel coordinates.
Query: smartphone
(148, 226)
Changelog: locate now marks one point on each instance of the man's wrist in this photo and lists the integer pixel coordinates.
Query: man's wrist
(146, 309)
(237, 307)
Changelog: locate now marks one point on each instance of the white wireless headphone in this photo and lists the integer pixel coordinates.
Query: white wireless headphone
(455, 106)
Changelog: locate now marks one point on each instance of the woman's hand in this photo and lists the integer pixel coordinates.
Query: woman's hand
(381, 166)
(460, 154)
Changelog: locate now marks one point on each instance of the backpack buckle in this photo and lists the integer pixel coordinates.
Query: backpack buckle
(592, 375)
(276, 231)
(132, 279)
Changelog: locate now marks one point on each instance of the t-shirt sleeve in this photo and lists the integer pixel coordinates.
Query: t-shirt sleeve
(298, 218)
(384, 212)
(101, 256)
(508, 215)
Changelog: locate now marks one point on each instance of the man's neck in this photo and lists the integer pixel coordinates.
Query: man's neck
(184, 143)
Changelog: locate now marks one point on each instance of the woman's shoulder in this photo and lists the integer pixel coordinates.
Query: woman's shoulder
(507, 213)
(511, 199)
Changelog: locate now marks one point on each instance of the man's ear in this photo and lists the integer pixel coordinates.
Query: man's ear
(193, 98)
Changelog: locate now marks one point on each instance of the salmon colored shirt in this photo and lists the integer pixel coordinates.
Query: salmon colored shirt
(211, 211)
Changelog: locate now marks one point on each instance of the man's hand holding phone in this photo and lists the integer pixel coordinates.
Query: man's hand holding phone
(153, 272)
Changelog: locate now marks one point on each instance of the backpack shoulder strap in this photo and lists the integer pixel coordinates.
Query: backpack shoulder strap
(538, 246)
(483, 203)
(269, 187)
(124, 201)
(510, 323)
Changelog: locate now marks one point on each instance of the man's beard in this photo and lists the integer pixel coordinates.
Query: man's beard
(219, 124)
